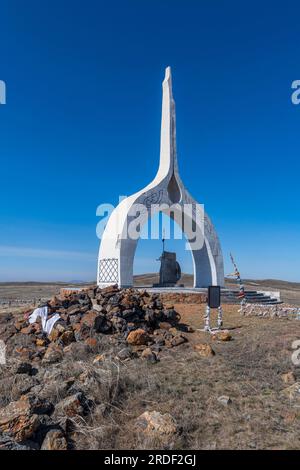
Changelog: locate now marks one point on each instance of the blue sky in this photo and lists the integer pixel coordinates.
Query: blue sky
(82, 121)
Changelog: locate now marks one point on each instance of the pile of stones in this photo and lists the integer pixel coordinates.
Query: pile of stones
(49, 381)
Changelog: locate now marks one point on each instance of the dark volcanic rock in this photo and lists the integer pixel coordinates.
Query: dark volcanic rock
(102, 325)
(8, 443)
(71, 406)
(54, 440)
(24, 368)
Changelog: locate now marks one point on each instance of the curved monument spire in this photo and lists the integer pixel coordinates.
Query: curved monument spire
(168, 151)
(117, 248)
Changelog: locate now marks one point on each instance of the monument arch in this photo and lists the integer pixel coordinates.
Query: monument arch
(117, 249)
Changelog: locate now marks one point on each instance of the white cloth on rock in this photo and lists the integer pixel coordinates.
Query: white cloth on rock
(47, 324)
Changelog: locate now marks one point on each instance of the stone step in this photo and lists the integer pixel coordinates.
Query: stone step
(232, 296)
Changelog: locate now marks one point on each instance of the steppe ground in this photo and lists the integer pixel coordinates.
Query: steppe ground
(264, 412)
(16, 291)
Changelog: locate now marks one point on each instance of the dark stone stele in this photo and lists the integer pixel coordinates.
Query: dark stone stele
(170, 271)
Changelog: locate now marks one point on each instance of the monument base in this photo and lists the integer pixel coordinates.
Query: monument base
(167, 284)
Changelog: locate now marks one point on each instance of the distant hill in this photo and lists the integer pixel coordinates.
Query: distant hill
(290, 291)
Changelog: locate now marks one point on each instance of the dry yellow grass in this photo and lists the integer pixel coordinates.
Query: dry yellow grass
(248, 369)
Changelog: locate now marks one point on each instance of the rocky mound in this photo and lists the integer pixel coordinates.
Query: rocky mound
(139, 318)
(50, 382)
(270, 311)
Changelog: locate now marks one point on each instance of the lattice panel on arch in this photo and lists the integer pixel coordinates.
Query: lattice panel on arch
(108, 270)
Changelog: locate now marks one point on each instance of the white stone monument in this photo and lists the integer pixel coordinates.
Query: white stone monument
(117, 249)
